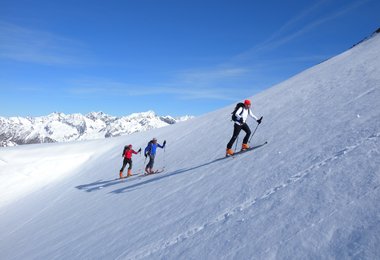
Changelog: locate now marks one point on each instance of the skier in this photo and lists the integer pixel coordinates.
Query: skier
(127, 154)
(150, 151)
(239, 116)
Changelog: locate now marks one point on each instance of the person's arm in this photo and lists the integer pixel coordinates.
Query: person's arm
(238, 113)
(252, 115)
(258, 120)
(163, 145)
(133, 151)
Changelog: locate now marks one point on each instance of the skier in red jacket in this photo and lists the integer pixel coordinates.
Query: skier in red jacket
(127, 154)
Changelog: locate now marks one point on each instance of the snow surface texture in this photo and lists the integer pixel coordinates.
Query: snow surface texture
(58, 127)
(312, 192)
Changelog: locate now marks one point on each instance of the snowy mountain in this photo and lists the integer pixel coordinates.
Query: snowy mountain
(312, 192)
(58, 127)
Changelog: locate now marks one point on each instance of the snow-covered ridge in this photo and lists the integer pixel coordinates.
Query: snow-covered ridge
(59, 127)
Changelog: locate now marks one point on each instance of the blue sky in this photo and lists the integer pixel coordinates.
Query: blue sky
(175, 57)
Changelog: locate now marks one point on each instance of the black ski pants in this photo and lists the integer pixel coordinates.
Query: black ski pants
(151, 162)
(237, 129)
(125, 162)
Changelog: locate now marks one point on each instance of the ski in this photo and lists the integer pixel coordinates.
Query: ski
(246, 150)
(128, 177)
(155, 172)
(138, 175)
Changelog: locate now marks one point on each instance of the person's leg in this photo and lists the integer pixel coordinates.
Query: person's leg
(247, 135)
(122, 168)
(151, 163)
(124, 164)
(130, 167)
(235, 134)
(149, 166)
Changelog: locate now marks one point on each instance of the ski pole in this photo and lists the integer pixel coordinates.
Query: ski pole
(164, 157)
(237, 140)
(253, 133)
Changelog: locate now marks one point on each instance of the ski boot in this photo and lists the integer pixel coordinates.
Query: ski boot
(229, 152)
(244, 147)
(129, 174)
(121, 175)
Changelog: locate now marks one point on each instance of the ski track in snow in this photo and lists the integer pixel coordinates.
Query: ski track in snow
(362, 95)
(151, 249)
(332, 213)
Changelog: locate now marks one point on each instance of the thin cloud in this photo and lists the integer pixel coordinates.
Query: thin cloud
(284, 34)
(27, 45)
(189, 93)
(208, 76)
(315, 24)
(97, 86)
(294, 21)
(104, 87)
(210, 83)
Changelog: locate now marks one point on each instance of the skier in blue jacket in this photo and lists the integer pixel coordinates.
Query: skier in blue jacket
(150, 151)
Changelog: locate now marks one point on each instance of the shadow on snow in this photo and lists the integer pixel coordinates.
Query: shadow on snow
(162, 176)
(100, 184)
(153, 179)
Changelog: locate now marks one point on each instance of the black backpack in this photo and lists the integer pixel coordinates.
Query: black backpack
(125, 149)
(238, 105)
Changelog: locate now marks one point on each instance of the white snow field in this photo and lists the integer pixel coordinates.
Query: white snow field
(313, 192)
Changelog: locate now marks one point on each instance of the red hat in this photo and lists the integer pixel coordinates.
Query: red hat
(247, 102)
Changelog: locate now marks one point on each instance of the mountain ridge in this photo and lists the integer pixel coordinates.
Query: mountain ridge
(60, 127)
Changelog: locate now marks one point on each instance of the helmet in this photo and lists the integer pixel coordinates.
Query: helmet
(129, 146)
(247, 102)
(154, 139)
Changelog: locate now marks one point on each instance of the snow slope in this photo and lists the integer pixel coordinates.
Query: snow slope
(311, 193)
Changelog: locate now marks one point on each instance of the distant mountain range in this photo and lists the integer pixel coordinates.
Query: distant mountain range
(59, 127)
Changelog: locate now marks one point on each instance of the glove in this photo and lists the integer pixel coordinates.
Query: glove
(164, 143)
(241, 121)
(259, 120)
(145, 155)
(139, 150)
